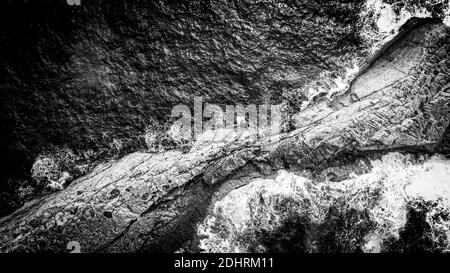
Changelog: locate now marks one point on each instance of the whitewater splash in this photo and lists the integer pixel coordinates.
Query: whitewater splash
(380, 22)
(339, 85)
(240, 221)
(447, 14)
(388, 19)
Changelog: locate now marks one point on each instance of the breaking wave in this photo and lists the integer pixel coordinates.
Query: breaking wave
(368, 212)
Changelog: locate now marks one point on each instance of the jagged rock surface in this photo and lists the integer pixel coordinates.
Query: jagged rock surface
(90, 76)
(153, 202)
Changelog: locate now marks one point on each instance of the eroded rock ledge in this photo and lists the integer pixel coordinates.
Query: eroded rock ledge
(154, 202)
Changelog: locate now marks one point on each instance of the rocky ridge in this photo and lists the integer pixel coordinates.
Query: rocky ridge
(154, 202)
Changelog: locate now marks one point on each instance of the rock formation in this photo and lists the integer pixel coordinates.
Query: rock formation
(156, 202)
(93, 78)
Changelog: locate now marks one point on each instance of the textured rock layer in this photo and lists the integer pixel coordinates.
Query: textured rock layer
(90, 76)
(153, 202)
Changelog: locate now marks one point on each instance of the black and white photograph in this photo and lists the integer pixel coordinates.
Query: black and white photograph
(250, 127)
